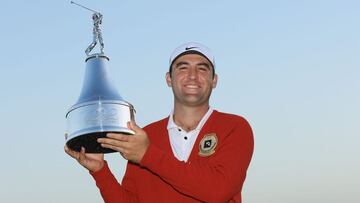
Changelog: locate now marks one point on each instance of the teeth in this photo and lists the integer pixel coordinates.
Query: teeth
(191, 86)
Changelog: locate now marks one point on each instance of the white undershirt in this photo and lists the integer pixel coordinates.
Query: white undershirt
(181, 141)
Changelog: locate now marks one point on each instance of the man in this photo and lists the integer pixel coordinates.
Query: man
(197, 154)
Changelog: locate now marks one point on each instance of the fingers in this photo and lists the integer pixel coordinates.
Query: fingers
(117, 136)
(72, 153)
(114, 147)
(81, 158)
(114, 141)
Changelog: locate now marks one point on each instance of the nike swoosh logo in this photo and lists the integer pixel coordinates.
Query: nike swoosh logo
(188, 48)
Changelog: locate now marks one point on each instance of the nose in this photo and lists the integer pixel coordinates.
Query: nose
(193, 73)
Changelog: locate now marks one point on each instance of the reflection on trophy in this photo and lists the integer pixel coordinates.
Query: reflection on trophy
(100, 108)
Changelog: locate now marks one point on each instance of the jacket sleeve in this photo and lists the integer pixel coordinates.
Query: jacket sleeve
(111, 191)
(216, 181)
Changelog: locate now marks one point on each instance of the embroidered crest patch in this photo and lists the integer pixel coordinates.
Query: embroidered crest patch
(208, 144)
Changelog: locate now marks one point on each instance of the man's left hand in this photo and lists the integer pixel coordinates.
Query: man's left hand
(131, 147)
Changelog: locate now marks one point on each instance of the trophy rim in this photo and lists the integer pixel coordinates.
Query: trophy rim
(120, 102)
(97, 55)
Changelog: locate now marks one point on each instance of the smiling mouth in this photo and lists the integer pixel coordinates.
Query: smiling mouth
(192, 86)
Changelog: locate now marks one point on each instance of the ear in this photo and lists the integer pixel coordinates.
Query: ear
(214, 81)
(168, 79)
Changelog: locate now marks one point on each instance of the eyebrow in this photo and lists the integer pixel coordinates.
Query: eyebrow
(186, 63)
(204, 64)
(181, 63)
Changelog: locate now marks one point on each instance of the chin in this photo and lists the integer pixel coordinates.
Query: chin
(195, 102)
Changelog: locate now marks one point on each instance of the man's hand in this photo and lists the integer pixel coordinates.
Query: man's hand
(131, 147)
(92, 162)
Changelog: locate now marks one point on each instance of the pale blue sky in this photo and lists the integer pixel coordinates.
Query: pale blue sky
(291, 68)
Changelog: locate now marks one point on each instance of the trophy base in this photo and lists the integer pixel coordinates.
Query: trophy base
(89, 142)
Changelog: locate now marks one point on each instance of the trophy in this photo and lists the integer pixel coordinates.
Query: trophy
(100, 109)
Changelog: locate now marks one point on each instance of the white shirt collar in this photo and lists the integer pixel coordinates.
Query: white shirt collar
(172, 124)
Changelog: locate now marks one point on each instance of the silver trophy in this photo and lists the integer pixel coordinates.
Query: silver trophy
(100, 109)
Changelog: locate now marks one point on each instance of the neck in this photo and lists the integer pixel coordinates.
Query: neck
(189, 117)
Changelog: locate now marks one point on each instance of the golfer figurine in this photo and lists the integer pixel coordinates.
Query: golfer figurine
(97, 36)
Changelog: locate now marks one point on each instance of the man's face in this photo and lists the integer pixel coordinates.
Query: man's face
(192, 80)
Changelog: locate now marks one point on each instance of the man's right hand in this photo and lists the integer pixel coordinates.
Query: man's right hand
(92, 162)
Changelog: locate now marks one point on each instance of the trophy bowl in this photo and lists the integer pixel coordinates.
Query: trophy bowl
(99, 110)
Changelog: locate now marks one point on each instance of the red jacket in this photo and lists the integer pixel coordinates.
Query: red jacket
(212, 175)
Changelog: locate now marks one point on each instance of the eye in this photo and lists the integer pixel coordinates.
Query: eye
(182, 67)
(203, 68)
